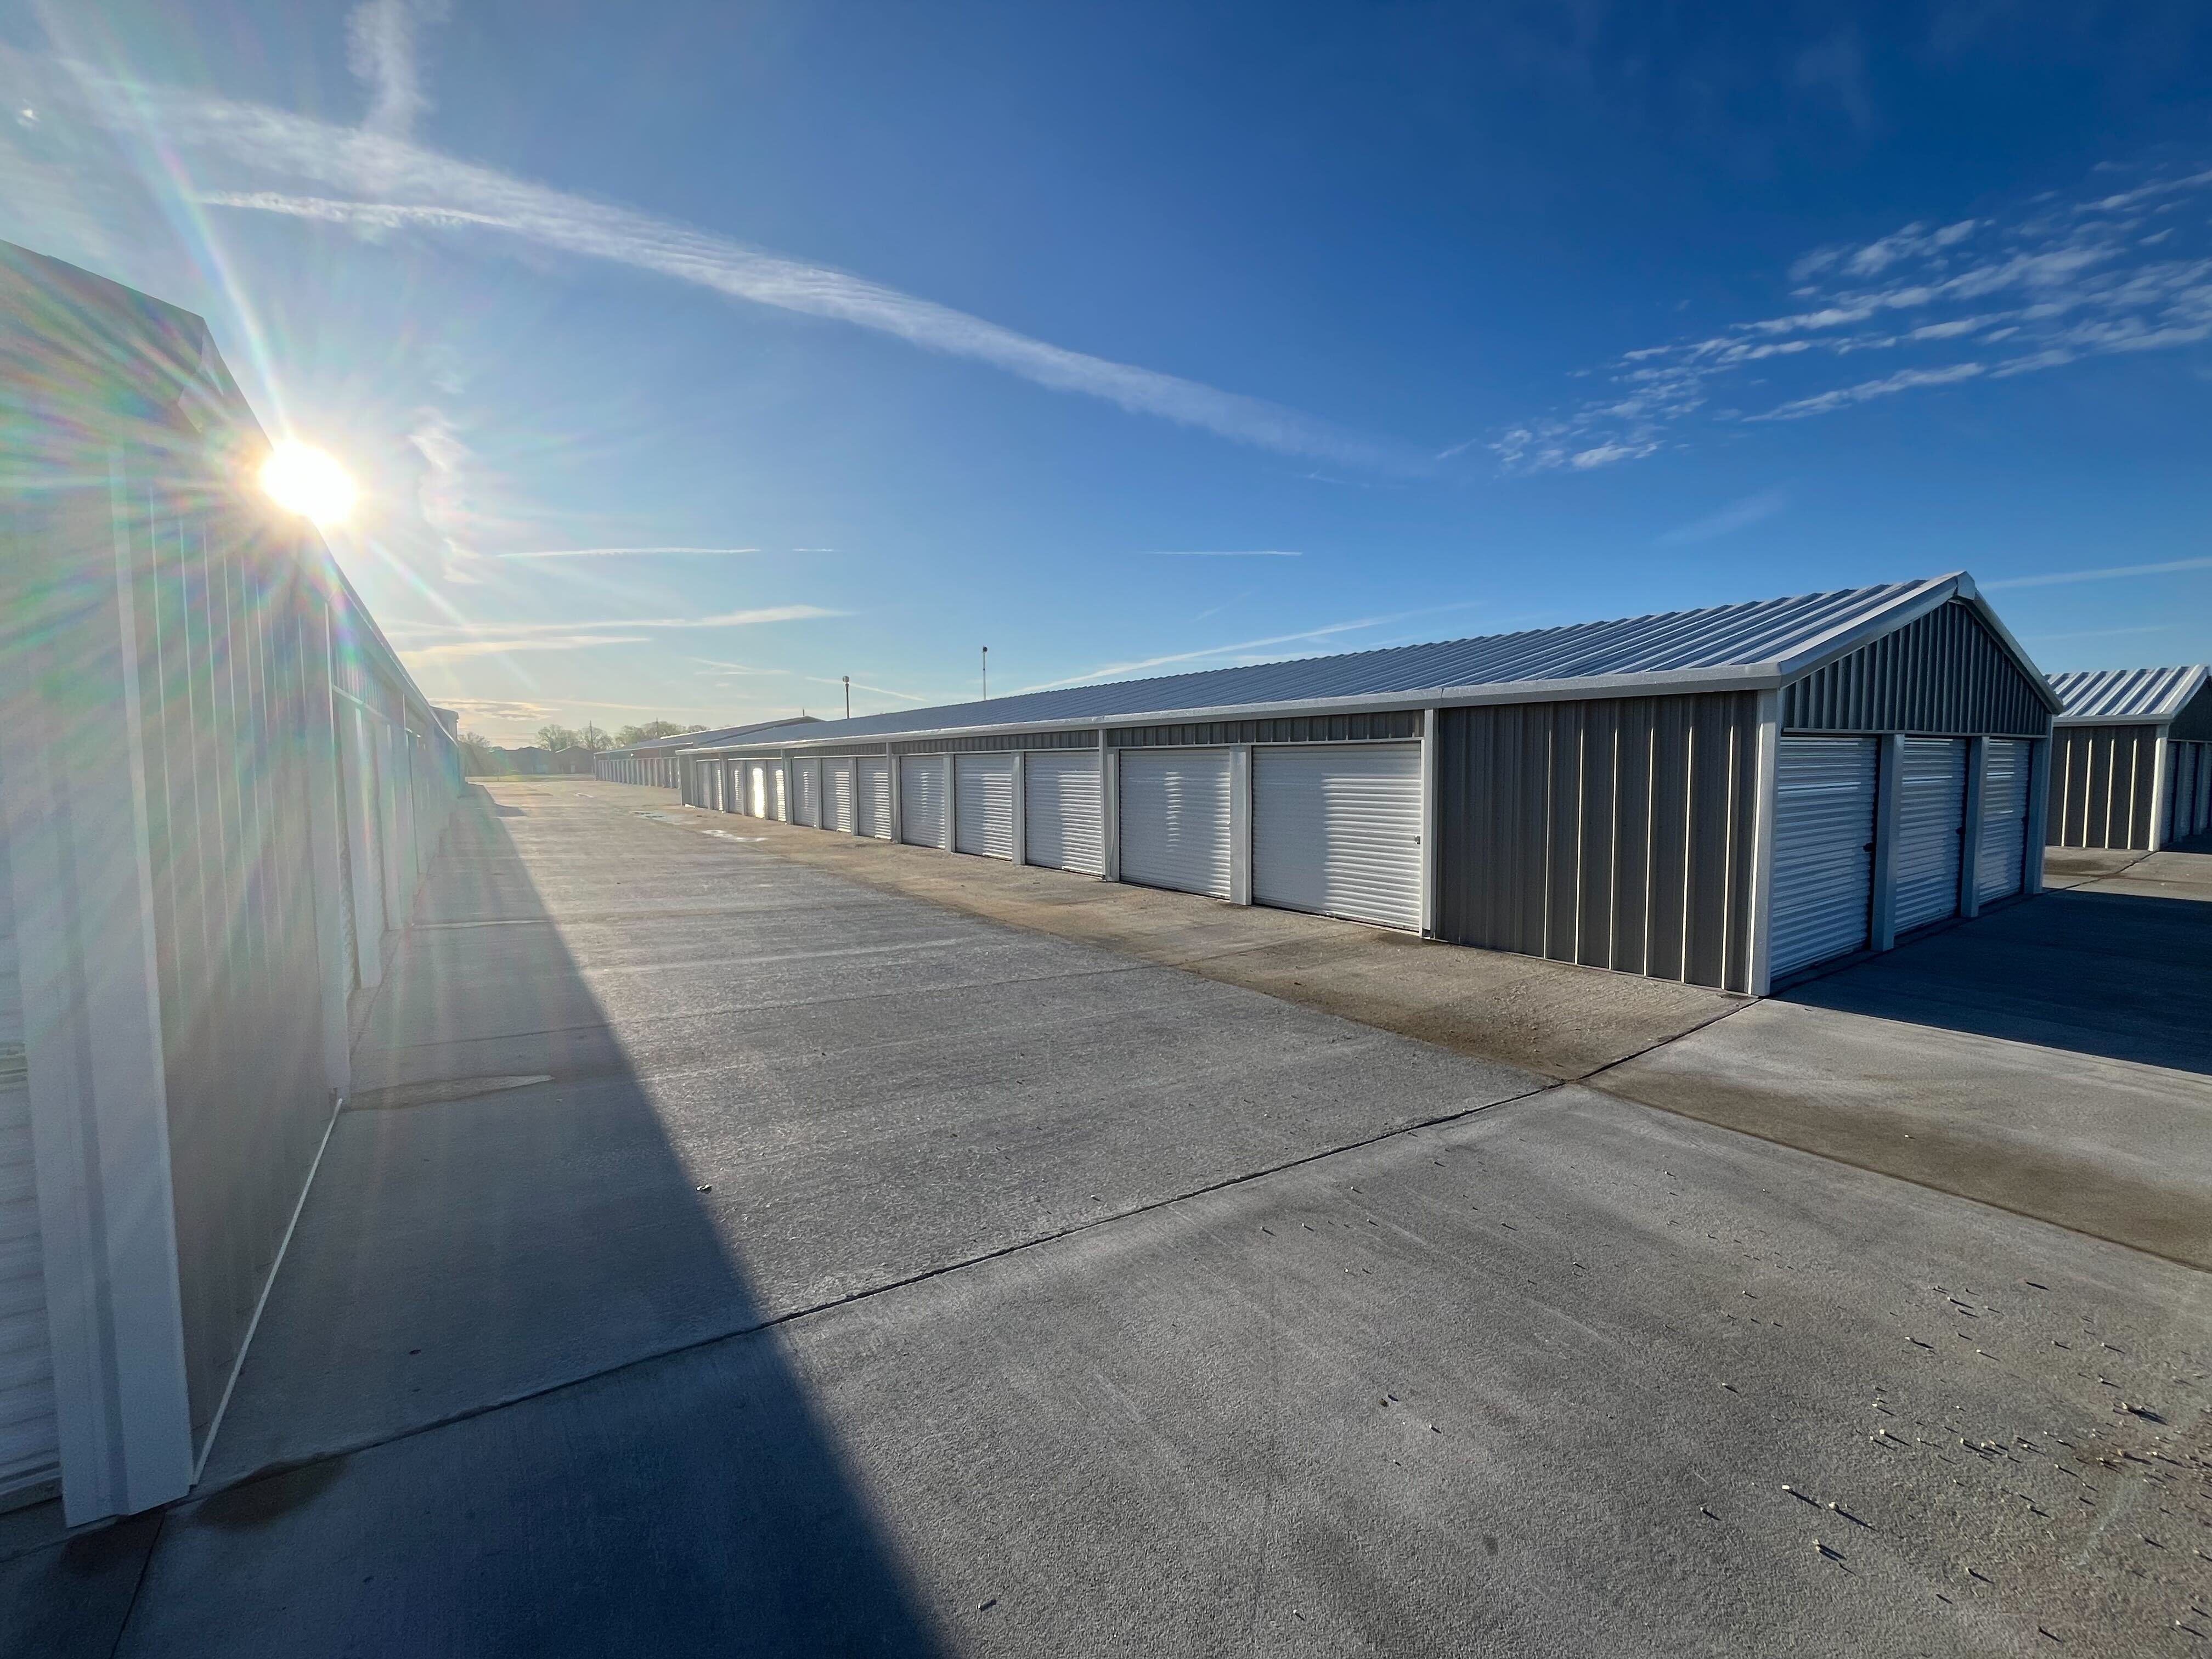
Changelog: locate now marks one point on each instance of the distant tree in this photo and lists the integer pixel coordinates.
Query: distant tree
(593, 738)
(477, 760)
(630, 735)
(554, 739)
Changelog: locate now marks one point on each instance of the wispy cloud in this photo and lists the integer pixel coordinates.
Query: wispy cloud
(1737, 515)
(491, 634)
(616, 552)
(1225, 553)
(1244, 649)
(504, 647)
(2050, 284)
(880, 690)
(254, 158)
(2109, 573)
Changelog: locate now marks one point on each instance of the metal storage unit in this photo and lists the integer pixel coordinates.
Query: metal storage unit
(1064, 821)
(1931, 820)
(837, 796)
(874, 797)
(923, 798)
(1824, 833)
(1336, 829)
(779, 794)
(2001, 865)
(806, 783)
(983, 805)
(30, 1443)
(2122, 744)
(1609, 793)
(1175, 820)
(756, 789)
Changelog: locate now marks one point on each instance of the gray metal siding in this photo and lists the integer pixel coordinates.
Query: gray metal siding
(1394, 725)
(1087, 738)
(2101, 782)
(29, 1440)
(1617, 833)
(1944, 674)
(2193, 723)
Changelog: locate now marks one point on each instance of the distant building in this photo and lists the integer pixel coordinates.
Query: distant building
(2131, 766)
(574, 761)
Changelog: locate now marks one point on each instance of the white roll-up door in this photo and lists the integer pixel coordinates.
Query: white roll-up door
(837, 796)
(1823, 897)
(2002, 864)
(1336, 829)
(921, 799)
(779, 792)
(983, 805)
(29, 1445)
(806, 774)
(1175, 819)
(1064, 820)
(1931, 816)
(874, 797)
(756, 788)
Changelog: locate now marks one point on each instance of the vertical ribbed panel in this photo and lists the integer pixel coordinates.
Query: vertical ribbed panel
(807, 802)
(29, 1438)
(1945, 673)
(837, 796)
(2102, 779)
(1616, 833)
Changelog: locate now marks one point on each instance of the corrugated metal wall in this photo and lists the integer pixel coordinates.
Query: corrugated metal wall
(2101, 787)
(1615, 833)
(2193, 723)
(1393, 725)
(985, 742)
(1944, 675)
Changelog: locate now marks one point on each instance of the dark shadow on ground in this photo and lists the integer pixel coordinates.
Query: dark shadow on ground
(601, 1517)
(2124, 976)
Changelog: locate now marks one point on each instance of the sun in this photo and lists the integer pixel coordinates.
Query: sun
(302, 479)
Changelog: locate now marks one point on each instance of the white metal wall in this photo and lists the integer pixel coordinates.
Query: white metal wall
(1824, 834)
(1175, 819)
(874, 797)
(2002, 864)
(983, 805)
(1336, 829)
(922, 800)
(1065, 827)
(1931, 818)
(30, 1447)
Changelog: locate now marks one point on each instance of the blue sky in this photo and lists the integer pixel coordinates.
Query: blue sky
(1130, 337)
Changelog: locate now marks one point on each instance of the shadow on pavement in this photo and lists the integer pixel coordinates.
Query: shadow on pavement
(2122, 976)
(544, 1224)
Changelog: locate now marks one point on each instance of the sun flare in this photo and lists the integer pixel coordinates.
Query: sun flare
(302, 479)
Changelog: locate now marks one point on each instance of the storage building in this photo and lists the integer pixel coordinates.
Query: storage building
(654, 763)
(1725, 796)
(2132, 758)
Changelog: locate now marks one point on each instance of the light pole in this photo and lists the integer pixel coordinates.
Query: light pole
(986, 673)
(848, 697)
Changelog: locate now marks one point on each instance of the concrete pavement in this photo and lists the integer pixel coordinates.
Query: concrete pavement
(723, 1255)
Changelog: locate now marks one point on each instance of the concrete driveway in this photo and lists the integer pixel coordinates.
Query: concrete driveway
(724, 1255)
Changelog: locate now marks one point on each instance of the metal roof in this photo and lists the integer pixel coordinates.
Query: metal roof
(1760, 642)
(2127, 694)
(697, 739)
